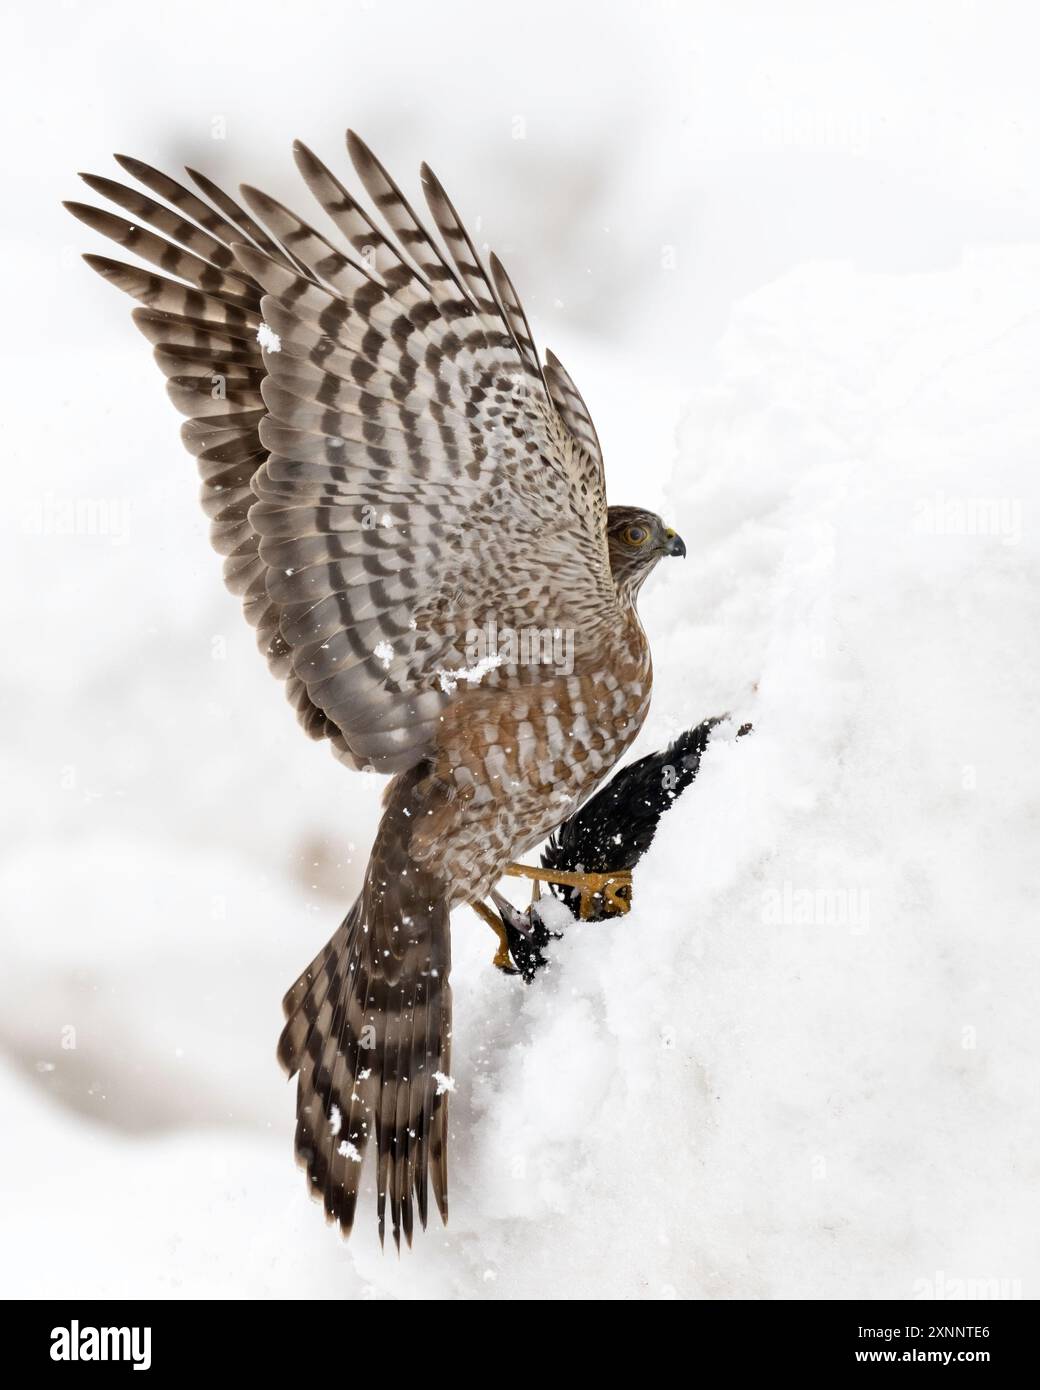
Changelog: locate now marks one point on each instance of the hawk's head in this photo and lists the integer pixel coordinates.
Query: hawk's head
(636, 540)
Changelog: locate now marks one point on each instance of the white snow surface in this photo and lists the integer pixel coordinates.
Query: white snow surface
(805, 1065)
(268, 338)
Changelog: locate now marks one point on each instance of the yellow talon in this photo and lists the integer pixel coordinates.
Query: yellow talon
(607, 885)
(504, 960)
(501, 957)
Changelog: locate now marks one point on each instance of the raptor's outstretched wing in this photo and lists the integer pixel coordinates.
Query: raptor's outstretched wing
(390, 465)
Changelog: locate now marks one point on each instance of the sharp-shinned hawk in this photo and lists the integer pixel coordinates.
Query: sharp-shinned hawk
(412, 507)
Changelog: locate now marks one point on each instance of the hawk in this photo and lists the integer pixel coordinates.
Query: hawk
(412, 506)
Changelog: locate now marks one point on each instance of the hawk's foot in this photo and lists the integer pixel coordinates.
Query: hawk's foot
(614, 887)
(501, 958)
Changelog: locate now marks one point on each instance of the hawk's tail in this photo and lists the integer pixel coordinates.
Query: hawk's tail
(368, 1030)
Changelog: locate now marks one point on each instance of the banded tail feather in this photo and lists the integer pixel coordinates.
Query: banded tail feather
(368, 1034)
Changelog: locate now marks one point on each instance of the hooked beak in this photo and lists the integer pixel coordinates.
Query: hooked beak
(675, 544)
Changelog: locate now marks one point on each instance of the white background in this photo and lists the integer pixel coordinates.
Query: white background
(791, 254)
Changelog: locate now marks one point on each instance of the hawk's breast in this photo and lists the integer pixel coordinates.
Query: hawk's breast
(516, 758)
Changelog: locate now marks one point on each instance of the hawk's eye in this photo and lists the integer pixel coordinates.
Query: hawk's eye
(635, 535)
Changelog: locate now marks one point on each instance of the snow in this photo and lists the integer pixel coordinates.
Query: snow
(553, 912)
(472, 675)
(805, 1063)
(268, 338)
